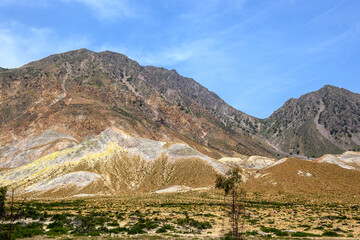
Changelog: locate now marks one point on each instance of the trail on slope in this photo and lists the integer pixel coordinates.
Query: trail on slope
(321, 127)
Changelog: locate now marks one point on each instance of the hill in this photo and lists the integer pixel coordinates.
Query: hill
(317, 123)
(86, 122)
(307, 180)
(81, 93)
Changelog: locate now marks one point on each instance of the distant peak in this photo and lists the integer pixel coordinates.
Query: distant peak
(83, 50)
(112, 53)
(333, 89)
(109, 52)
(329, 87)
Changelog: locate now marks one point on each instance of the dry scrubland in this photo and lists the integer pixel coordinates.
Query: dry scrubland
(190, 215)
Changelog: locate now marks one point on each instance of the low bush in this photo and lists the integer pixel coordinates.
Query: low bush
(331, 234)
(277, 232)
(29, 230)
(193, 223)
(303, 234)
(165, 228)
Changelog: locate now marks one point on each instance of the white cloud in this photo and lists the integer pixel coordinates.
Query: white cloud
(29, 44)
(179, 53)
(108, 9)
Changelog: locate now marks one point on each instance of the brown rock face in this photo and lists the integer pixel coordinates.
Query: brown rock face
(81, 93)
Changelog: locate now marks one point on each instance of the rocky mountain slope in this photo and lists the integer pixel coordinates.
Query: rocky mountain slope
(86, 122)
(81, 93)
(320, 122)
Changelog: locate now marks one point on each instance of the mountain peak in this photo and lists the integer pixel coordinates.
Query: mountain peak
(334, 91)
(80, 50)
(328, 88)
(319, 122)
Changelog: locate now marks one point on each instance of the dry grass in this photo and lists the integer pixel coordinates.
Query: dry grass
(329, 182)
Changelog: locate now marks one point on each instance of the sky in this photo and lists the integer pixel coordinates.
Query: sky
(254, 54)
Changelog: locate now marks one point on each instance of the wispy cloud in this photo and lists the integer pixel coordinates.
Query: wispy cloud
(324, 13)
(170, 55)
(108, 9)
(351, 34)
(28, 44)
(182, 52)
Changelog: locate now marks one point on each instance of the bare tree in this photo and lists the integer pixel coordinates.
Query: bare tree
(231, 184)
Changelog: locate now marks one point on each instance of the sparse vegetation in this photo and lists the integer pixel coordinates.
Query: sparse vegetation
(185, 215)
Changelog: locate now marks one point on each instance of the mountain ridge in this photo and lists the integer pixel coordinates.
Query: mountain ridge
(162, 104)
(79, 87)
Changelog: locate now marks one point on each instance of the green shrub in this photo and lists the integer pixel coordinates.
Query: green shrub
(161, 230)
(29, 230)
(165, 228)
(117, 230)
(55, 224)
(32, 212)
(193, 223)
(136, 229)
(331, 234)
(84, 225)
(228, 236)
(56, 231)
(303, 234)
(277, 232)
(113, 223)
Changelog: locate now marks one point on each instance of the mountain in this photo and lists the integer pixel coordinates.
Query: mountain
(81, 93)
(83, 122)
(86, 122)
(317, 123)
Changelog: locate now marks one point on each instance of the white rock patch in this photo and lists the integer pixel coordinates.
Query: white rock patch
(80, 179)
(303, 174)
(83, 195)
(252, 162)
(175, 188)
(347, 160)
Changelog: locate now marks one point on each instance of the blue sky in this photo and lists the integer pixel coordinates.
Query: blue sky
(255, 54)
